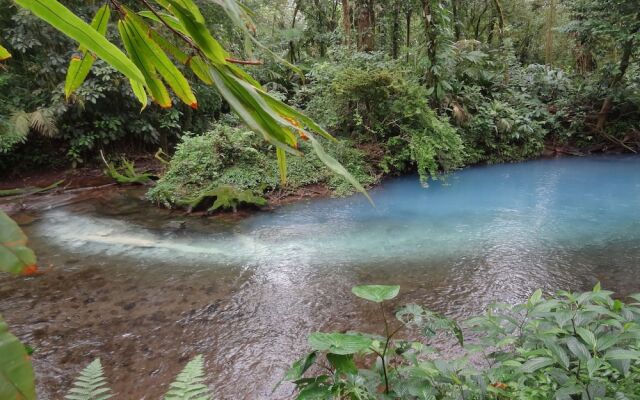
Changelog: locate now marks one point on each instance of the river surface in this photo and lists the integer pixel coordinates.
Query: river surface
(130, 284)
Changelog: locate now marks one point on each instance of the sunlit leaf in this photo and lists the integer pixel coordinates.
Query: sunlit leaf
(282, 165)
(4, 54)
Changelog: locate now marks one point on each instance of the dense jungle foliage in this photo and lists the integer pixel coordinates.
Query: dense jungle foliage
(405, 85)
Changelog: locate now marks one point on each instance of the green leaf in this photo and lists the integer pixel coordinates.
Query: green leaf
(152, 51)
(342, 363)
(535, 297)
(588, 336)
(338, 343)
(535, 364)
(15, 257)
(58, 16)
(578, 349)
(79, 67)
(4, 54)
(282, 165)
(376, 293)
(297, 370)
(16, 372)
(155, 86)
(621, 354)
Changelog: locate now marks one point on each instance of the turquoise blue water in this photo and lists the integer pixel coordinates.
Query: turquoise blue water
(246, 293)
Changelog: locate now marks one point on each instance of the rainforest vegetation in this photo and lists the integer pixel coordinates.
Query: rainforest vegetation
(230, 104)
(404, 86)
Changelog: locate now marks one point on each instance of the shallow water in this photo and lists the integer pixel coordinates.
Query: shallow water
(129, 284)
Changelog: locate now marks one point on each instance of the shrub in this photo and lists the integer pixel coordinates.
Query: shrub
(233, 157)
(373, 100)
(567, 347)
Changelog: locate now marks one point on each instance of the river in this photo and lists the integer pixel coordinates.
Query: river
(145, 289)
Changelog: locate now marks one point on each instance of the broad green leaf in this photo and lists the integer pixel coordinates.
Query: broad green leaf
(535, 297)
(535, 364)
(152, 51)
(299, 367)
(588, 336)
(578, 349)
(376, 293)
(79, 67)
(338, 343)
(558, 352)
(58, 16)
(342, 363)
(15, 257)
(621, 354)
(16, 373)
(4, 54)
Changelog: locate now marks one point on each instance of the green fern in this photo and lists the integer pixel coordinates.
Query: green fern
(91, 384)
(188, 384)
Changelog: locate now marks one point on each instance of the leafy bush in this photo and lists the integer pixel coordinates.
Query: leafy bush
(567, 347)
(231, 157)
(375, 101)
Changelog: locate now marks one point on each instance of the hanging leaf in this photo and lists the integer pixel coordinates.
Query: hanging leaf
(58, 16)
(4, 54)
(152, 51)
(81, 65)
(156, 88)
(15, 257)
(282, 165)
(16, 373)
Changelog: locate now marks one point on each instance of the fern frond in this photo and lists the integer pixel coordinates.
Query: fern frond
(91, 384)
(43, 122)
(188, 384)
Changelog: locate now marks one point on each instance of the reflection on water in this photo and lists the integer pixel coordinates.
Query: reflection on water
(134, 286)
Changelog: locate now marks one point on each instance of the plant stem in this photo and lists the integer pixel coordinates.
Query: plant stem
(384, 352)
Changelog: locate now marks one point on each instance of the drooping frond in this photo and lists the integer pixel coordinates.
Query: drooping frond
(91, 384)
(41, 121)
(188, 384)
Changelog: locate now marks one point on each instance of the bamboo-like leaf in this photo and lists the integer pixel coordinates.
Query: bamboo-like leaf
(4, 54)
(255, 115)
(282, 165)
(156, 88)
(197, 31)
(152, 51)
(58, 16)
(336, 167)
(169, 19)
(201, 69)
(79, 67)
(139, 92)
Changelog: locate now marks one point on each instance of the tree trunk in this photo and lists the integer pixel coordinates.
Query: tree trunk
(548, 43)
(500, 15)
(346, 23)
(456, 20)
(395, 31)
(292, 45)
(607, 105)
(408, 38)
(366, 39)
(430, 37)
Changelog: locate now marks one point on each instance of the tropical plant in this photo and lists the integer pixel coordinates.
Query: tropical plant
(16, 372)
(189, 42)
(92, 384)
(584, 345)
